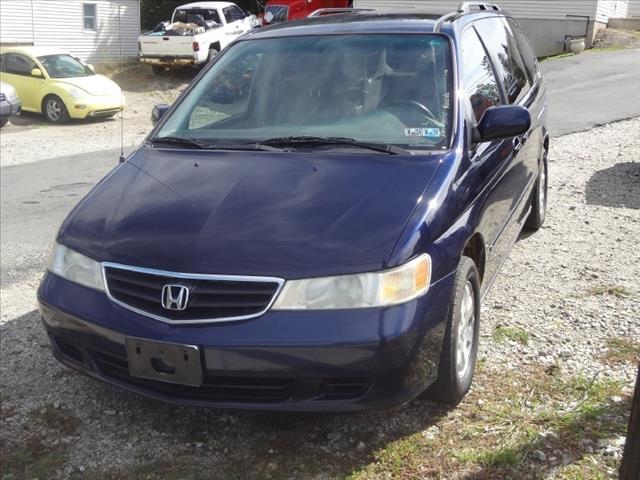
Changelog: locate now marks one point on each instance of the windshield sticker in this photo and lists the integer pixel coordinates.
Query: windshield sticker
(422, 132)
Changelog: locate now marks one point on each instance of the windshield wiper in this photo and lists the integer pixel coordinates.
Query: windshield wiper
(311, 140)
(193, 143)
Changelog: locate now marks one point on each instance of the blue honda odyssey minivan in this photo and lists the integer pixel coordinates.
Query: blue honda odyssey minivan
(314, 223)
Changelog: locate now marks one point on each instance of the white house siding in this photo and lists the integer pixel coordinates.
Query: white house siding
(546, 9)
(16, 22)
(611, 9)
(59, 23)
(633, 9)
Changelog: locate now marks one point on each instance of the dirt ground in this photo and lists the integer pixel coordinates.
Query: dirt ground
(617, 38)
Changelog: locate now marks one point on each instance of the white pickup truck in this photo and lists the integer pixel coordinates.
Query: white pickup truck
(196, 34)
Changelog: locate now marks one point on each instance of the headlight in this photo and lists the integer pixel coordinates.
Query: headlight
(75, 92)
(377, 289)
(75, 267)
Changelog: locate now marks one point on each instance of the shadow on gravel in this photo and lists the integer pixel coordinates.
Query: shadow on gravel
(36, 120)
(618, 186)
(159, 441)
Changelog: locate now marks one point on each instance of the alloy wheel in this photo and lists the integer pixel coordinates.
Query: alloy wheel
(542, 192)
(466, 331)
(54, 109)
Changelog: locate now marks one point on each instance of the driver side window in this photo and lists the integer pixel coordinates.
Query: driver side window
(478, 75)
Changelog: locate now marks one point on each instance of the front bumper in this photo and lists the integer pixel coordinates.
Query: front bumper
(96, 107)
(346, 360)
(10, 108)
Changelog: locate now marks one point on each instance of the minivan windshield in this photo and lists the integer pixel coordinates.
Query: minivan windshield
(392, 89)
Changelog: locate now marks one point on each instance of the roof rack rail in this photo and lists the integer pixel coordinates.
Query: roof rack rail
(333, 11)
(465, 7)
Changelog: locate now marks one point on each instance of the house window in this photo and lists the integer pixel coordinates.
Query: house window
(90, 17)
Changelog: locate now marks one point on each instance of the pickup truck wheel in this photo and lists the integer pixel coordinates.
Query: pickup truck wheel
(3, 122)
(158, 70)
(539, 199)
(460, 346)
(54, 109)
(213, 53)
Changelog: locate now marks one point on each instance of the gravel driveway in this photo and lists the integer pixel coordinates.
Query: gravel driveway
(561, 323)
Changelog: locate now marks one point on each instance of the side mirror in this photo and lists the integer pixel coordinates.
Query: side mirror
(502, 122)
(90, 66)
(36, 72)
(158, 112)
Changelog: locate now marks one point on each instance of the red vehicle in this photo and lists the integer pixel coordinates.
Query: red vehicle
(277, 11)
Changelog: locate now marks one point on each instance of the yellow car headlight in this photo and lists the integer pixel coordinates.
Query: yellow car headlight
(75, 92)
(364, 290)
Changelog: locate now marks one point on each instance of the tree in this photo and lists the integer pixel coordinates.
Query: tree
(630, 468)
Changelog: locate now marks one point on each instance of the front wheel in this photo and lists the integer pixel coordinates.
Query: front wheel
(460, 346)
(539, 198)
(55, 110)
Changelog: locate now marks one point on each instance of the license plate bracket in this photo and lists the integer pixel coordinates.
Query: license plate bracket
(166, 362)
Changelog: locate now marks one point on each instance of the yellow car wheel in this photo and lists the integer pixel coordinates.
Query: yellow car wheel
(54, 109)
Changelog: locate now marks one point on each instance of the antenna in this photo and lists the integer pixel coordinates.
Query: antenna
(121, 159)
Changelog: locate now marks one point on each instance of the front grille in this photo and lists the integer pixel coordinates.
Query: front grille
(280, 13)
(214, 388)
(212, 298)
(2, 97)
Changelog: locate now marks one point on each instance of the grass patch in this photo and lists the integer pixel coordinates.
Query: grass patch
(608, 48)
(59, 420)
(615, 290)
(32, 460)
(502, 334)
(622, 350)
(494, 432)
(555, 57)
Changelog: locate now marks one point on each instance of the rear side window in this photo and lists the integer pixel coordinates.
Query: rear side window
(529, 58)
(17, 64)
(478, 76)
(504, 51)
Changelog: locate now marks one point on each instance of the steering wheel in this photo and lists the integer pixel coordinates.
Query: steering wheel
(423, 109)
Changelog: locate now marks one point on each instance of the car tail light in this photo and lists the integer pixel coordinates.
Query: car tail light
(196, 47)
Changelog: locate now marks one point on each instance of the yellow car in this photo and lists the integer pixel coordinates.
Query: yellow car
(58, 85)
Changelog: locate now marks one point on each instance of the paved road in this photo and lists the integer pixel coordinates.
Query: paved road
(592, 89)
(585, 90)
(35, 199)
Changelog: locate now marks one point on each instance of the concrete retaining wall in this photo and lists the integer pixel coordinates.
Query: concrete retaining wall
(548, 37)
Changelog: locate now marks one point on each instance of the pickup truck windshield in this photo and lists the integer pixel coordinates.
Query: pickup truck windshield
(64, 66)
(387, 89)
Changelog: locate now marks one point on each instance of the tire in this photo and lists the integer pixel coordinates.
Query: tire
(213, 53)
(54, 109)
(539, 198)
(3, 122)
(460, 346)
(158, 70)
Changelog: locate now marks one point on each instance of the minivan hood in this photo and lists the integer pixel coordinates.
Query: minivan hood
(290, 215)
